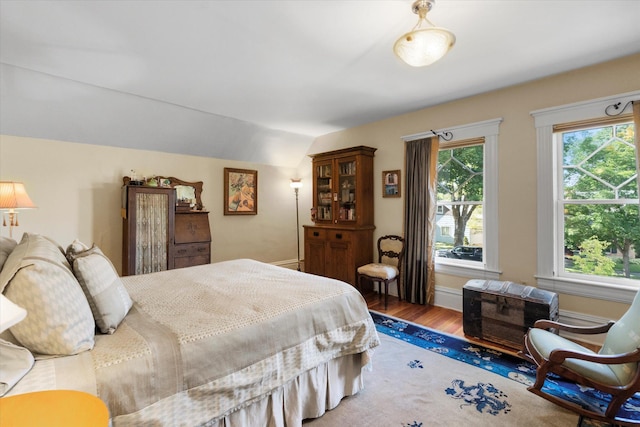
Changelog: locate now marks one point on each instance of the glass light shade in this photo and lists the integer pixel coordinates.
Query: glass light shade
(424, 46)
(10, 313)
(13, 195)
(296, 183)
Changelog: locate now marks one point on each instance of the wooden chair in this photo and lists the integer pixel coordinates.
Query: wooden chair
(388, 267)
(615, 369)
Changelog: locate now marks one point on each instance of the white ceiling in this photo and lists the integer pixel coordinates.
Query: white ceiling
(279, 71)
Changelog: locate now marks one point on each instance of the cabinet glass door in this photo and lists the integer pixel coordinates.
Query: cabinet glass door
(347, 190)
(324, 192)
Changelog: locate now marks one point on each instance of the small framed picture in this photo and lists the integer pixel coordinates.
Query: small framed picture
(391, 183)
(240, 192)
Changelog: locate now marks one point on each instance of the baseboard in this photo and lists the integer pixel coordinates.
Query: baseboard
(448, 298)
(581, 319)
(452, 299)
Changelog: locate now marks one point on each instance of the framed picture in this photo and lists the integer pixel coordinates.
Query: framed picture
(240, 192)
(391, 183)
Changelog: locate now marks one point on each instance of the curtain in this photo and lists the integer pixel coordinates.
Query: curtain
(419, 220)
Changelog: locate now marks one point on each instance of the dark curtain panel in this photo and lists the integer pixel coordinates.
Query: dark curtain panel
(419, 221)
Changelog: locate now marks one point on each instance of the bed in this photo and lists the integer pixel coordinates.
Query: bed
(234, 343)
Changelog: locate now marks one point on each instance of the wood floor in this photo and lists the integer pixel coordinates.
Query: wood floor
(438, 318)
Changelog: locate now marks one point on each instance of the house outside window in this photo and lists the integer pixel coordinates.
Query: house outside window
(482, 227)
(588, 221)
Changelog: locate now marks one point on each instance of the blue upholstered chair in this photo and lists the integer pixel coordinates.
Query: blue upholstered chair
(615, 369)
(387, 269)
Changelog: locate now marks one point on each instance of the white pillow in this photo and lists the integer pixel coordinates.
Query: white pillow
(107, 296)
(59, 320)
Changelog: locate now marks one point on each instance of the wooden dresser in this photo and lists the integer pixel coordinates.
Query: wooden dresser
(192, 242)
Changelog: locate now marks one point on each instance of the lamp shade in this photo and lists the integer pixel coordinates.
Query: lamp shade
(424, 46)
(13, 195)
(10, 314)
(296, 183)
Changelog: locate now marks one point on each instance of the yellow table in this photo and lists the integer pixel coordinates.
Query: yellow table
(52, 409)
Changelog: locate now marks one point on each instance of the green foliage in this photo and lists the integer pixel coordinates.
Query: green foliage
(460, 174)
(592, 259)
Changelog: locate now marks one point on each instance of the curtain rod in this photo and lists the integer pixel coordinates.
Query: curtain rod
(446, 135)
(616, 107)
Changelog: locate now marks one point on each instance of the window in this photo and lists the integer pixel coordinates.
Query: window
(480, 262)
(598, 198)
(588, 221)
(459, 222)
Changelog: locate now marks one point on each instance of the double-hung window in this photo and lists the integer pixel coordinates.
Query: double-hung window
(588, 219)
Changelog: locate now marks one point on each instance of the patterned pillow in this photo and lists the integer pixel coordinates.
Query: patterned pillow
(75, 248)
(38, 278)
(6, 247)
(107, 296)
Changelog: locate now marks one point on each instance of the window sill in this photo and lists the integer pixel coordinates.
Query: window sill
(589, 289)
(471, 270)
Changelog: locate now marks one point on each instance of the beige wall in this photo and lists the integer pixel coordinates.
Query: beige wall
(517, 159)
(77, 190)
(77, 186)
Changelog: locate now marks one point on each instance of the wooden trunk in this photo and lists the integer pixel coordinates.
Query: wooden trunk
(502, 312)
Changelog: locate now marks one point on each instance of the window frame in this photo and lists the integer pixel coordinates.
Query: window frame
(548, 232)
(489, 130)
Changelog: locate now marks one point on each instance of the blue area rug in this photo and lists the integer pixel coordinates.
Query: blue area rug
(502, 364)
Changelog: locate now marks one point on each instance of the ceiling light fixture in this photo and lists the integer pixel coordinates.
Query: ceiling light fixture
(424, 46)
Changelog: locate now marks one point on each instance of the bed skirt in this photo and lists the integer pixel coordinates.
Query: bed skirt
(308, 396)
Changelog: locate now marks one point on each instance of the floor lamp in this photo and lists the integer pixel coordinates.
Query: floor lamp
(296, 184)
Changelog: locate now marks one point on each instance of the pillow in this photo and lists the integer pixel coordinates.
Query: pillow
(75, 248)
(107, 296)
(39, 279)
(6, 247)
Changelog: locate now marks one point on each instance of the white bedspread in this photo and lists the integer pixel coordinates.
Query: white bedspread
(202, 342)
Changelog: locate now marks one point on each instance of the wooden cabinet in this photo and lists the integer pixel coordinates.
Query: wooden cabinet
(192, 243)
(342, 238)
(159, 231)
(337, 252)
(343, 187)
(147, 229)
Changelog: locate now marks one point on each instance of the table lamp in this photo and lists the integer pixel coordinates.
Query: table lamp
(13, 196)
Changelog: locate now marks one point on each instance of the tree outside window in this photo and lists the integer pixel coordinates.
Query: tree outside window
(460, 201)
(599, 199)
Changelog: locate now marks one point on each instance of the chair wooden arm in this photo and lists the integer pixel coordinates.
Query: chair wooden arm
(585, 330)
(558, 356)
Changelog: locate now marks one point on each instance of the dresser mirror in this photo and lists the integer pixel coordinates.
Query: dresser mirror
(185, 190)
